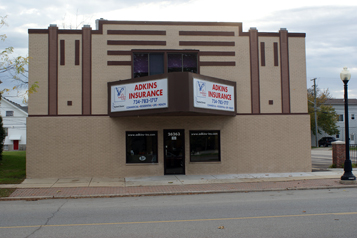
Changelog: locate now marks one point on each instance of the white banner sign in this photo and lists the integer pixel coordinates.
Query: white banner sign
(210, 95)
(139, 96)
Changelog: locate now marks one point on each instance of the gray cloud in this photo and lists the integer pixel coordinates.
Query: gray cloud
(331, 32)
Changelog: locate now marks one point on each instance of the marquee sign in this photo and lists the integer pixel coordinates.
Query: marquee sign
(139, 96)
(212, 95)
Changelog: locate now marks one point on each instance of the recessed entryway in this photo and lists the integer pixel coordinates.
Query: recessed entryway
(174, 151)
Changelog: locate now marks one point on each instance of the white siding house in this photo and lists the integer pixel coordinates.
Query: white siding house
(339, 106)
(14, 122)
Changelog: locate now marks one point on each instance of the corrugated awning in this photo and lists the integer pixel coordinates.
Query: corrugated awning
(15, 137)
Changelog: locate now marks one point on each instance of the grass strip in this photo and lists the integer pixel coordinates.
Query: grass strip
(13, 167)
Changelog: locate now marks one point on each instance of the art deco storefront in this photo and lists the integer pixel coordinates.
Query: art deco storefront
(162, 98)
(170, 95)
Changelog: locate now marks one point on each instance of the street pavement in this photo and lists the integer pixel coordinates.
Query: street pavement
(323, 177)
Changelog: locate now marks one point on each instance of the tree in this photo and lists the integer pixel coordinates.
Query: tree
(14, 68)
(326, 114)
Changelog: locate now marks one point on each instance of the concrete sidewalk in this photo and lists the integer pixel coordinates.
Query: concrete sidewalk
(172, 185)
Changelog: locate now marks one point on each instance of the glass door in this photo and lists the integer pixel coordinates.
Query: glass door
(174, 152)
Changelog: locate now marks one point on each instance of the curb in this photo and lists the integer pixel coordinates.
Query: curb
(34, 198)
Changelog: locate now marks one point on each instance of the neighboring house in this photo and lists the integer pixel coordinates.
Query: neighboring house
(339, 106)
(14, 122)
(141, 98)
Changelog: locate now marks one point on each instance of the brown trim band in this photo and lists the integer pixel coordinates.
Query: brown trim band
(37, 31)
(217, 63)
(206, 43)
(132, 42)
(239, 25)
(272, 114)
(118, 63)
(217, 53)
(284, 67)
(76, 52)
(262, 53)
(62, 52)
(206, 33)
(135, 32)
(118, 52)
(52, 71)
(86, 71)
(254, 70)
(238, 114)
(164, 50)
(70, 115)
(297, 35)
(66, 31)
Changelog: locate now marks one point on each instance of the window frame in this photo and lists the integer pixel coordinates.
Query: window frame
(10, 112)
(126, 147)
(219, 145)
(340, 117)
(165, 52)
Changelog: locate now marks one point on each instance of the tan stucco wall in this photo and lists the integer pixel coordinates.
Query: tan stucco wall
(38, 72)
(103, 73)
(270, 79)
(297, 70)
(70, 77)
(95, 146)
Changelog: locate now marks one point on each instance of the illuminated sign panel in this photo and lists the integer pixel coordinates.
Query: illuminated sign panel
(211, 95)
(139, 96)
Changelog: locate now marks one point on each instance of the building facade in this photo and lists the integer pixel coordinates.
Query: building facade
(135, 98)
(14, 122)
(339, 106)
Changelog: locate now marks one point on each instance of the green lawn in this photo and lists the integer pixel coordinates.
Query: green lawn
(13, 167)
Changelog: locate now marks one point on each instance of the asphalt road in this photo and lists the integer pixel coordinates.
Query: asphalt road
(301, 213)
(321, 158)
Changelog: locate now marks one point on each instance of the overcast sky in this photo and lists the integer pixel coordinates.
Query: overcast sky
(330, 26)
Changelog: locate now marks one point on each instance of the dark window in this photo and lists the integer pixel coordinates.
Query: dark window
(62, 52)
(141, 147)
(276, 57)
(146, 64)
(177, 62)
(76, 52)
(352, 116)
(340, 117)
(205, 146)
(262, 53)
(9, 113)
(6, 131)
(337, 136)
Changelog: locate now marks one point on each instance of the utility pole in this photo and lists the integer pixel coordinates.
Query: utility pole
(315, 110)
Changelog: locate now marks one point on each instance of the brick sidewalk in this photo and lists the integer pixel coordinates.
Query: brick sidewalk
(85, 192)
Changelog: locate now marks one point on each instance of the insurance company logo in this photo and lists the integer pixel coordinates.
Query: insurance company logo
(119, 94)
(201, 89)
(142, 158)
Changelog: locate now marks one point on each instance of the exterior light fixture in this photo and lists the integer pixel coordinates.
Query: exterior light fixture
(345, 76)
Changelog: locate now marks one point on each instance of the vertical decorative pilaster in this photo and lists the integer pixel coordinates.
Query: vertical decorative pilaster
(86, 70)
(284, 67)
(52, 69)
(254, 70)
